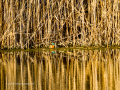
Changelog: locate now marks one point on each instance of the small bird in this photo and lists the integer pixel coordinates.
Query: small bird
(52, 46)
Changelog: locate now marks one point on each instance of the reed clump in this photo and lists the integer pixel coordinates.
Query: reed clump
(31, 23)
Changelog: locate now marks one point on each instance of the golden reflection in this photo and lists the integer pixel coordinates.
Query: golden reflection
(62, 70)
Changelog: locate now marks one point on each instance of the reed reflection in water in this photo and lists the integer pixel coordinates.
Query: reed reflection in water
(69, 70)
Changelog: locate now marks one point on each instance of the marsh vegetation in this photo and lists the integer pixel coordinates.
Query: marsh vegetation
(37, 23)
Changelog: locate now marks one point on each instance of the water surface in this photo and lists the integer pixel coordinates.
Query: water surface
(71, 69)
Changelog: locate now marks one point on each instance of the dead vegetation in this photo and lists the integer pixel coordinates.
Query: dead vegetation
(36, 23)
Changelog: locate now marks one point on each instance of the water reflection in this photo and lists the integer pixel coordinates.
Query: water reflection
(62, 70)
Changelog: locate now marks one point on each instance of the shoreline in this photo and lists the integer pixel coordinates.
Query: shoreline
(46, 49)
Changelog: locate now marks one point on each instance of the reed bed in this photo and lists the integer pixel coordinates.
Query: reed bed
(37, 23)
(74, 69)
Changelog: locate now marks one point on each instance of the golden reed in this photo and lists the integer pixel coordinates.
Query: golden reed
(38, 23)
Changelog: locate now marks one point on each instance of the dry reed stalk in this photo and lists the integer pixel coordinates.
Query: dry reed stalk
(28, 20)
(21, 25)
(97, 21)
(1, 22)
(1, 17)
(38, 17)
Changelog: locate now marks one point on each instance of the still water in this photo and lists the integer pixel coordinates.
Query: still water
(71, 69)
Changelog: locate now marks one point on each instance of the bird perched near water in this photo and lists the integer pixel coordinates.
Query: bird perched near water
(52, 46)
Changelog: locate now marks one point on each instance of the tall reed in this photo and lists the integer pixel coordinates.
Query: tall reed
(33, 23)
